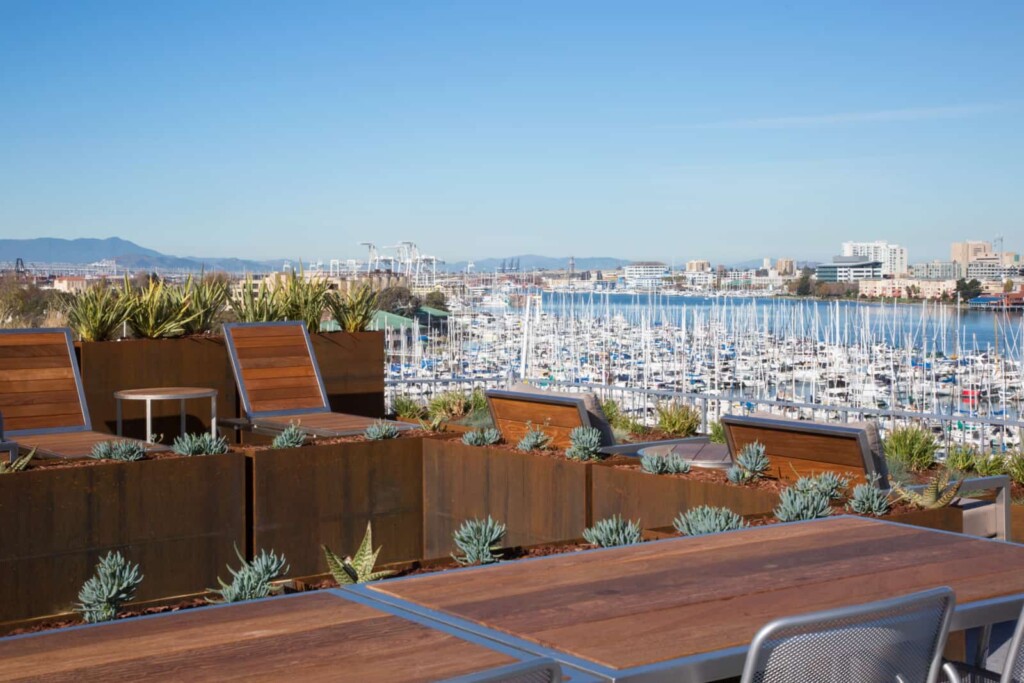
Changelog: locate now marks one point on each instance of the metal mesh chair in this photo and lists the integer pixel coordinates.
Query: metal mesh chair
(1013, 669)
(539, 670)
(900, 639)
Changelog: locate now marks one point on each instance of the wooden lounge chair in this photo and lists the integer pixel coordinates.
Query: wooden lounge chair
(41, 395)
(279, 382)
(524, 407)
(799, 447)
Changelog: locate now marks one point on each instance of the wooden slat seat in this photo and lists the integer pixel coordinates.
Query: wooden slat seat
(799, 447)
(279, 381)
(41, 396)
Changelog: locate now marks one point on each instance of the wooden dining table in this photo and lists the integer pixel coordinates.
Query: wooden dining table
(686, 609)
(321, 636)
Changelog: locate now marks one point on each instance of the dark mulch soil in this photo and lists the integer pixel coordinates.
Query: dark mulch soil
(67, 463)
(701, 474)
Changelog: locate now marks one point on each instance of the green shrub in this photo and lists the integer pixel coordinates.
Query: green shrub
(305, 298)
(716, 432)
(961, 457)
(158, 311)
(291, 436)
(1015, 466)
(359, 569)
(476, 402)
(534, 440)
(913, 446)
(899, 473)
(448, 405)
(258, 304)
(989, 465)
(478, 540)
(868, 499)
(707, 520)
(118, 449)
(355, 310)
(206, 300)
(586, 444)
(18, 464)
(613, 531)
(251, 580)
(203, 443)
(751, 464)
(678, 419)
(380, 431)
(797, 505)
(482, 437)
(113, 584)
(97, 313)
(620, 422)
(407, 408)
(828, 484)
(672, 463)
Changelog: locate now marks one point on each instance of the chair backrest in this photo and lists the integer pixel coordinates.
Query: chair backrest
(899, 639)
(40, 385)
(275, 368)
(516, 411)
(539, 670)
(797, 448)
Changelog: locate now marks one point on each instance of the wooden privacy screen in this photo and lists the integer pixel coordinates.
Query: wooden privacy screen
(798, 449)
(515, 416)
(38, 384)
(274, 368)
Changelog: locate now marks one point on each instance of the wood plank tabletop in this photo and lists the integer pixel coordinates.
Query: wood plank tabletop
(311, 637)
(77, 444)
(636, 605)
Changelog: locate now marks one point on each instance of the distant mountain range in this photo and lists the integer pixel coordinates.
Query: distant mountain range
(123, 252)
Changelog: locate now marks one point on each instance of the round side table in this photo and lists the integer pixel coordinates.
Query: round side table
(181, 394)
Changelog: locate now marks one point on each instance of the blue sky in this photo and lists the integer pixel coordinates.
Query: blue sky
(673, 130)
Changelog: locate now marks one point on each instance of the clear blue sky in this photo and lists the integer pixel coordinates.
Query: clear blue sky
(673, 130)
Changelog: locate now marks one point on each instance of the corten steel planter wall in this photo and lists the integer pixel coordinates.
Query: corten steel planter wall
(943, 519)
(179, 518)
(540, 499)
(141, 363)
(313, 495)
(352, 367)
(656, 500)
(1017, 523)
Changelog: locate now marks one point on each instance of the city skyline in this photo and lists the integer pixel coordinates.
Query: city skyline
(699, 132)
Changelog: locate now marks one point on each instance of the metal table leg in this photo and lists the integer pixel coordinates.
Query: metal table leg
(149, 419)
(119, 417)
(213, 416)
(182, 432)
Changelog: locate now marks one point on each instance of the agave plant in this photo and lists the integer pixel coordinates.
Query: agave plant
(353, 311)
(478, 540)
(380, 431)
(678, 419)
(18, 464)
(482, 437)
(868, 499)
(200, 444)
(586, 444)
(207, 298)
(158, 311)
(118, 449)
(673, 463)
(826, 483)
(258, 304)
(938, 493)
(97, 313)
(797, 505)
(113, 584)
(292, 436)
(358, 569)
(534, 440)
(252, 579)
(613, 531)
(706, 519)
(305, 299)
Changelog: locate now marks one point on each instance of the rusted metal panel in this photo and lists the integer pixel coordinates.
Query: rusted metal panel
(178, 518)
(325, 494)
(656, 500)
(142, 363)
(943, 519)
(540, 499)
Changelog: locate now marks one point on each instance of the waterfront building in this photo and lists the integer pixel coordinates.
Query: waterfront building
(893, 257)
(971, 250)
(937, 270)
(990, 267)
(849, 269)
(785, 266)
(644, 274)
(907, 287)
(698, 266)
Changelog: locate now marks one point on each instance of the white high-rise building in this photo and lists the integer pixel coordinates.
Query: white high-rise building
(893, 257)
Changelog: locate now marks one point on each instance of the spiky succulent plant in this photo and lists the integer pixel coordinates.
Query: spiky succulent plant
(797, 505)
(358, 569)
(706, 519)
(203, 443)
(478, 540)
(829, 484)
(113, 584)
(613, 531)
(291, 436)
(938, 493)
(118, 449)
(252, 579)
(18, 464)
(754, 459)
(673, 463)
(586, 444)
(868, 499)
(482, 437)
(534, 439)
(380, 431)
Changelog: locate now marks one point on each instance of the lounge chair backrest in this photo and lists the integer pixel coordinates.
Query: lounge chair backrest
(524, 407)
(275, 368)
(539, 670)
(900, 639)
(40, 386)
(798, 448)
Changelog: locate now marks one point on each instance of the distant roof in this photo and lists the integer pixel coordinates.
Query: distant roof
(647, 263)
(436, 312)
(384, 319)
